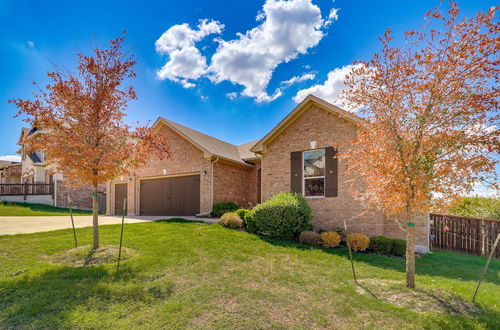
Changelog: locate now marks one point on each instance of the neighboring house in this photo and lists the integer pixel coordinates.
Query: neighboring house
(10, 172)
(297, 156)
(35, 170)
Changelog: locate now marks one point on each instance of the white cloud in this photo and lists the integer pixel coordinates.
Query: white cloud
(11, 158)
(288, 28)
(331, 90)
(298, 79)
(333, 16)
(185, 60)
(31, 44)
(232, 95)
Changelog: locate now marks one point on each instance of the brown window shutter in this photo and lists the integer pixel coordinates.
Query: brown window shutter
(296, 172)
(332, 172)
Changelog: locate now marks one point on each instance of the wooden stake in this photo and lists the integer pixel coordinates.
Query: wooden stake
(121, 235)
(72, 221)
(350, 255)
(485, 269)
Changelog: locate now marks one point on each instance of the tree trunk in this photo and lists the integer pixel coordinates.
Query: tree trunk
(410, 255)
(95, 219)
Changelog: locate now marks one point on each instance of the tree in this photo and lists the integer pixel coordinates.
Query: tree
(80, 117)
(431, 117)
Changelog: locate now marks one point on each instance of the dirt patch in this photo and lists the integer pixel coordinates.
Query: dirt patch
(418, 299)
(84, 256)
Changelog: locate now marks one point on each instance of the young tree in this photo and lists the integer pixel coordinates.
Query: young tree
(431, 117)
(80, 117)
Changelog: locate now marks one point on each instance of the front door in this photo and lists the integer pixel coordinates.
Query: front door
(120, 196)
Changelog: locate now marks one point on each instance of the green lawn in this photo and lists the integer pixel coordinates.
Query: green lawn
(27, 209)
(195, 275)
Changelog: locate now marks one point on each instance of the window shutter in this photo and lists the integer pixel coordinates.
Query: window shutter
(296, 172)
(332, 172)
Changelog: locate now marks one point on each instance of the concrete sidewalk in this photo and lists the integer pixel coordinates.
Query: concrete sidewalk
(34, 224)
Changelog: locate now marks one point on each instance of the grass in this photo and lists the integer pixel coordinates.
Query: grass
(194, 275)
(28, 209)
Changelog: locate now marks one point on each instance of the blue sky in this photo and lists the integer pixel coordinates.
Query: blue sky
(236, 88)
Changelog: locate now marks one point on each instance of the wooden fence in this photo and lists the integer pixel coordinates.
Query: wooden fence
(25, 189)
(463, 234)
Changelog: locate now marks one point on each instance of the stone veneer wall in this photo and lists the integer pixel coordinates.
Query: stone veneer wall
(81, 197)
(327, 129)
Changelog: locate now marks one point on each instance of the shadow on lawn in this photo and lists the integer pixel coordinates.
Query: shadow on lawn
(440, 263)
(45, 300)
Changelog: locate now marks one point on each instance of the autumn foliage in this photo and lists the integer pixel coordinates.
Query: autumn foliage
(80, 120)
(431, 115)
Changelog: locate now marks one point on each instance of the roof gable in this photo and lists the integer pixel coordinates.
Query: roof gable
(209, 145)
(310, 100)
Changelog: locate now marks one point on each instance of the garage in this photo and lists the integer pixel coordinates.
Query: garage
(170, 196)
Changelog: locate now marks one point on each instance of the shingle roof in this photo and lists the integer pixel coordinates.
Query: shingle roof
(212, 145)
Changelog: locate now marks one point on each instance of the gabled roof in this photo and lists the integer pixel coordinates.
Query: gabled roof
(24, 131)
(210, 145)
(259, 147)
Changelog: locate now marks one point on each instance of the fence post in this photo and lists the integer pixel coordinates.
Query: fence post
(25, 189)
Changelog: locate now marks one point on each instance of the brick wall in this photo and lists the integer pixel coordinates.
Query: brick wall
(233, 183)
(12, 174)
(81, 197)
(326, 129)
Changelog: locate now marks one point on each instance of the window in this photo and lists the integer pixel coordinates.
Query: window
(314, 173)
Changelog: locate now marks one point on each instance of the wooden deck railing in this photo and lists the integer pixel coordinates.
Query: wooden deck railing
(464, 234)
(25, 189)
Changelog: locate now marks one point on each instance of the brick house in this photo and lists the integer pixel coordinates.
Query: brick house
(295, 156)
(34, 169)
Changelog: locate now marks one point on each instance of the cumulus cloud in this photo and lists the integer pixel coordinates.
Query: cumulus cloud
(285, 30)
(11, 158)
(331, 90)
(298, 79)
(185, 62)
(288, 28)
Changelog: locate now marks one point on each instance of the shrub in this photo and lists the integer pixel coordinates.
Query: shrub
(250, 223)
(358, 242)
(330, 239)
(241, 213)
(224, 207)
(398, 247)
(342, 232)
(231, 220)
(381, 245)
(283, 216)
(388, 246)
(310, 237)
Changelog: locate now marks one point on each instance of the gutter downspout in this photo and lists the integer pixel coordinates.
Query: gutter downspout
(212, 185)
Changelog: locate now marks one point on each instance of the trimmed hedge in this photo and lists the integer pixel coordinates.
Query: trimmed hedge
(358, 242)
(241, 213)
(283, 216)
(330, 239)
(250, 225)
(388, 246)
(219, 209)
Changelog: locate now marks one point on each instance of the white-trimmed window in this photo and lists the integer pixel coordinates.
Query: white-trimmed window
(313, 174)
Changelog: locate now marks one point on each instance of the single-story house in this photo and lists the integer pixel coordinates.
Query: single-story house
(294, 156)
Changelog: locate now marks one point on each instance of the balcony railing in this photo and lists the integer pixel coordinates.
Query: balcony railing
(25, 189)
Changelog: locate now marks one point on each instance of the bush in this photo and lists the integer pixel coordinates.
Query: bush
(342, 232)
(241, 213)
(388, 246)
(330, 239)
(381, 245)
(398, 247)
(310, 238)
(358, 242)
(219, 209)
(250, 223)
(283, 216)
(231, 220)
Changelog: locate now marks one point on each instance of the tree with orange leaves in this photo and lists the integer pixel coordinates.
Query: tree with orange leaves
(80, 117)
(431, 115)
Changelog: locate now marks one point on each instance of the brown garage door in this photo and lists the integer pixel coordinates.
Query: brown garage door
(120, 195)
(171, 196)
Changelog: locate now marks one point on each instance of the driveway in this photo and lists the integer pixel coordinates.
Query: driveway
(34, 224)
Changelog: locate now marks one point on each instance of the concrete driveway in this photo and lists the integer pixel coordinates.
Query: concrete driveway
(34, 224)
